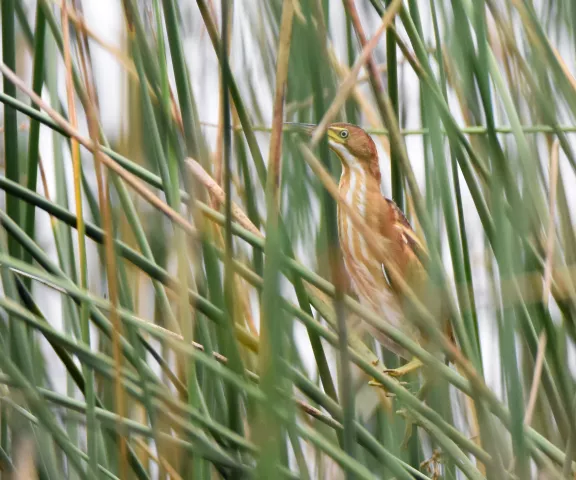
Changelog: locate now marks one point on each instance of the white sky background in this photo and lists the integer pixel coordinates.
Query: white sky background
(106, 18)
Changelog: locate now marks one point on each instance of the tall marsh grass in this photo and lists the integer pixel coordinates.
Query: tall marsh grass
(170, 305)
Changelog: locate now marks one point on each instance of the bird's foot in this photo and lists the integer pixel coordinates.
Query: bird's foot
(410, 367)
(396, 373)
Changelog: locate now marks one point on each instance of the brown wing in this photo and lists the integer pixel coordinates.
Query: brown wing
(411, 254)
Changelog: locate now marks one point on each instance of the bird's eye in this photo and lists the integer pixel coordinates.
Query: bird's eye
(344, 134)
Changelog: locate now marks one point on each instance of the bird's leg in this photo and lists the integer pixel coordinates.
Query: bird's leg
(411, 366)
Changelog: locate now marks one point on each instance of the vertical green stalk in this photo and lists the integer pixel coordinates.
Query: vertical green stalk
(91, 428)
(250, 198)
(507, 320)
(62, 234)
(455, 237)
(10, 120)
(392, 66)
(276, 331)
(233, 395)
(273, 343)
(152, 127)
(345, 380)
(34, 138)
(458, 197)
(165, 90)
(185, 98)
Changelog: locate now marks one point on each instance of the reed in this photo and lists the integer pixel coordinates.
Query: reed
(170, 306)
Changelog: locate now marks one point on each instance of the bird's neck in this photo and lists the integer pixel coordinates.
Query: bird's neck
(361, 175)
(358, 184)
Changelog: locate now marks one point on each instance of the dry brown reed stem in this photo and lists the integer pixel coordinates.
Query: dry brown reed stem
(363, 102)
(348, 84)
(217, 193)
(103, 186)
(79, 22)
(370, 63)
(564, 68)
(128, 177)
(44, 180)
(24, 460)
(532, 397)
(275, 152)
(74, 146)
(536, 378)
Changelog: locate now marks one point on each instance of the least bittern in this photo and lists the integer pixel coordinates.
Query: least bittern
(360, 186)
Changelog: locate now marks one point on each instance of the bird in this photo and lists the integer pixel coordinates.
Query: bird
(406, 253)
(360, 187)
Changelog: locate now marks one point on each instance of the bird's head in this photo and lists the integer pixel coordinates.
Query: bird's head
(353, 146)
(351, 143)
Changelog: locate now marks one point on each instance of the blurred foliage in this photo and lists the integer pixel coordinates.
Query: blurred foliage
(158, 334)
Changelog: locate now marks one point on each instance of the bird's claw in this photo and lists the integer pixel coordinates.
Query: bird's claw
(410, 367)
